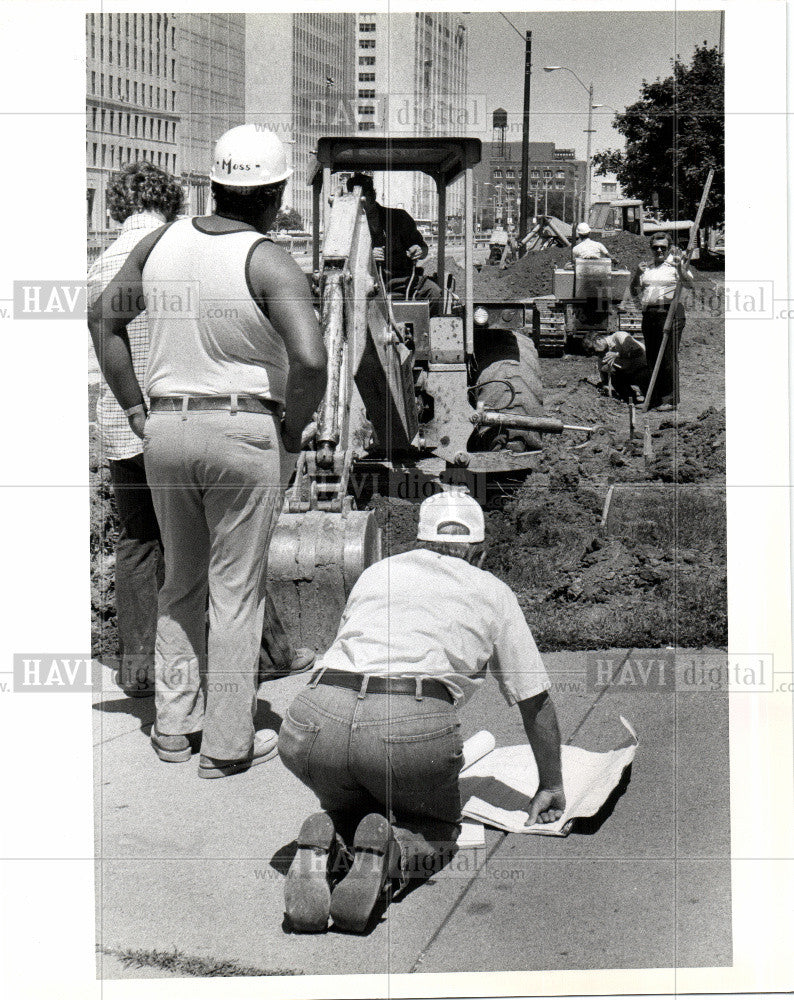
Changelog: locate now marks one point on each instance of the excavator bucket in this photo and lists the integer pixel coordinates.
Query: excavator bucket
(315, 558)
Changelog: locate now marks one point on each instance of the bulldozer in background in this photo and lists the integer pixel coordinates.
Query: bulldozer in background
(411, 402)
(588, 298)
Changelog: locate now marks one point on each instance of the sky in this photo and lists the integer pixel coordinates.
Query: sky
(615, 51)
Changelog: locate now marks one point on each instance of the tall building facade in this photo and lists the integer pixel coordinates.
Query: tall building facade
(556, 182)
(131, 100)
(303, 89)
(411, 80)
(210, 94)
(162, 88)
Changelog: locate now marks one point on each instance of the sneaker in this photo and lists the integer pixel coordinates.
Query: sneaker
(666, 407)
(354, 899)
(307, 891)
(171, 749)
(265, 747)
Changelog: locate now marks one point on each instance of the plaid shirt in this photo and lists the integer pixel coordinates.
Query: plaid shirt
(118, 440)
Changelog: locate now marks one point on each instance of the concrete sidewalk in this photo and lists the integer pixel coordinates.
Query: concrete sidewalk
(197, 867)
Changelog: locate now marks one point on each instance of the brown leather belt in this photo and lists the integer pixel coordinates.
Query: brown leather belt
(246, 404)
(418, 687)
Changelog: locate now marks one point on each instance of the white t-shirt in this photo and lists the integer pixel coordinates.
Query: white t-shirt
(657, 284)
(589, 250)
(431, 615)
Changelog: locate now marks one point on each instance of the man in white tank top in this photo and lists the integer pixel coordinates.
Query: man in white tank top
(234, 344)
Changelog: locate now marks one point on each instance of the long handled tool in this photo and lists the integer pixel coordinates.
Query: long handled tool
(668, 323)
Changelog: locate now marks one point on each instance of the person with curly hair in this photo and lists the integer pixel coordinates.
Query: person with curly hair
(142, 197)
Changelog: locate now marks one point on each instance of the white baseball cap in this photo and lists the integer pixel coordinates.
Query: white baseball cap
(582, 229)
(249, 156)
(451, 508)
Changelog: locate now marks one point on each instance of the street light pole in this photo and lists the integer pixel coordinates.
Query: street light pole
(587, 194)
(588, 165)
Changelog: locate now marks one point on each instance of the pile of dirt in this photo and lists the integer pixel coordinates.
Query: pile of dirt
(532, 274)
(690, 452)
(581, 588)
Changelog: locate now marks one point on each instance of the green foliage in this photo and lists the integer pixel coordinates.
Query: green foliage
(674, 134)
(288, 218)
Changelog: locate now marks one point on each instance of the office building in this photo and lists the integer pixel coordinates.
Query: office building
(210, 94)
(162, 88)
(131, 100)
(556, 182)
(303, 89)
(411, 79)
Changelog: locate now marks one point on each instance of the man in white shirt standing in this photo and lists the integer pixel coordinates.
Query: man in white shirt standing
(141, 197)
(237, 367)
(376, 734)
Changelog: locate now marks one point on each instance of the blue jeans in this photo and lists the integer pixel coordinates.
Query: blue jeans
(386, 753)
(217, 483)
(139, 573)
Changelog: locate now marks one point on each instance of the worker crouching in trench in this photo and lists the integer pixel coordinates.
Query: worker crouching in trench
(376, 734)
(622, 364)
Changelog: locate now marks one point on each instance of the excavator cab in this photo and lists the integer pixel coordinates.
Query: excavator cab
(443, 399)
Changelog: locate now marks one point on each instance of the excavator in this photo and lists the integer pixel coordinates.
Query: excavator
(448, 399)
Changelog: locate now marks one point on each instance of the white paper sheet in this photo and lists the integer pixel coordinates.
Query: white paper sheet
(496, 776)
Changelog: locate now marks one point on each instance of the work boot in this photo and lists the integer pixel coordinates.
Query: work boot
(171, 749)
(377, 858)
(265, 747)
(307, 891)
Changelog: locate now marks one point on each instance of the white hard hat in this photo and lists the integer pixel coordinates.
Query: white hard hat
(249, 156)
(582, 229)
(448, 508)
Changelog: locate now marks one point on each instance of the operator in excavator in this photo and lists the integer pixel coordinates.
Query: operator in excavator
(397, 246)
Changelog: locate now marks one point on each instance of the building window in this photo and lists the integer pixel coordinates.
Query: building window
(547, 173)
(561, 173)
(366, 93)
(366, 60)
(510, 173)
(366, 109)
(560, 185)
(366, 77)
(497, 173)
(366, 126)
(366, 43)
(367, 26)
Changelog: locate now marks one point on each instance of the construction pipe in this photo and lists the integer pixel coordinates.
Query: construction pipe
(542, 425)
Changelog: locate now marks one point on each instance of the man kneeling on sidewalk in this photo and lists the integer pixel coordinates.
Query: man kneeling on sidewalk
(376, 735)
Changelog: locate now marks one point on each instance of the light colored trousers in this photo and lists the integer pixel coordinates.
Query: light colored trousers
(217, 484)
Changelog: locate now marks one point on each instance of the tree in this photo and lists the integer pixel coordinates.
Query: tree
(288, 218)
(674, 134)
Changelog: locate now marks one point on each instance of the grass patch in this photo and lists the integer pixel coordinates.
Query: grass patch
(189, 965)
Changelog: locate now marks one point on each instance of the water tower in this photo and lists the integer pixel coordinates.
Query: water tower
(499, 129)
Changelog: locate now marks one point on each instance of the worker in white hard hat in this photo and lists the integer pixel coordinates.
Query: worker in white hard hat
(376, 734)
(237, 367)
(586, 248)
